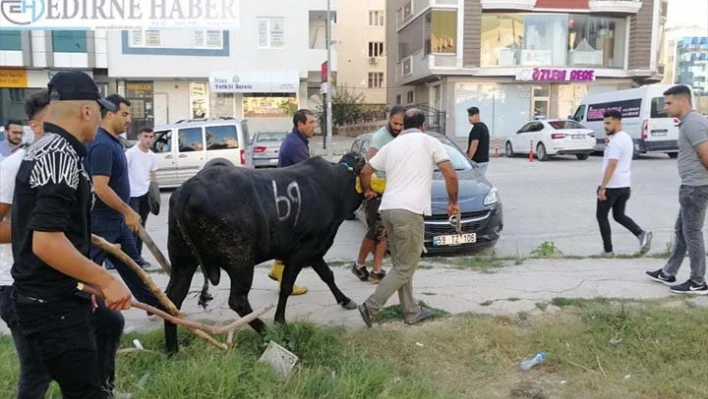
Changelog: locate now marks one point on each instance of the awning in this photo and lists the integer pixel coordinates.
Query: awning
(268, 81)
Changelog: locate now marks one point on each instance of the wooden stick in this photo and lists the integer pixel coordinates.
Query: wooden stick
(216, 330)
(164, 300)
(600, 364)
(154, 250)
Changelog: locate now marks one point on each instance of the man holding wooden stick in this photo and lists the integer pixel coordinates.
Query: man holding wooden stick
(51, 241)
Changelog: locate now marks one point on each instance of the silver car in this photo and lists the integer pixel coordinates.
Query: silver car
(265, 147)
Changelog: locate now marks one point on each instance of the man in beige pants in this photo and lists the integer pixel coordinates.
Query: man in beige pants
(409, 163)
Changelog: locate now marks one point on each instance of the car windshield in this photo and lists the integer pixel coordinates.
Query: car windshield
(271, 137)
(565, 125)
(458, 159)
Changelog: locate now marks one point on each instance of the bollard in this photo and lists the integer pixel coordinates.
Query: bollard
(496, 148)
(531, 152)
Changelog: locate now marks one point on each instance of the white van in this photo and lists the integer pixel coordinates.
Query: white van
(643, 118)
(183, 148)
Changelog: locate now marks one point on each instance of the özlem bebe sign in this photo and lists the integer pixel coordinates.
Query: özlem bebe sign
(556, 75)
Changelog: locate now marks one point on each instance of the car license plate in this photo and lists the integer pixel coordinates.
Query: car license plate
(273, 160)
(456, 239)
(578, 136)
(660, 133)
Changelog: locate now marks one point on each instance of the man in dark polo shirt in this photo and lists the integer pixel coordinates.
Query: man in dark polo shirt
(112, 217)
(478, 141)
(51, 230)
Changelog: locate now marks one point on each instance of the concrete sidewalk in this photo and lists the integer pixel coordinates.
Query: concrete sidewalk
(509, 290)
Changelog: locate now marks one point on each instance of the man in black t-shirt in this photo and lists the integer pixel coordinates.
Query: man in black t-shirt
(478, 143)
(51, 236)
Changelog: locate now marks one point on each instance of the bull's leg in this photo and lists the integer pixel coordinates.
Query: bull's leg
(177, 290)
(241, 282)
(322, 269)
(290, 273)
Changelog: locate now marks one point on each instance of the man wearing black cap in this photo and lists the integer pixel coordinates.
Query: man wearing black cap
(51, 239)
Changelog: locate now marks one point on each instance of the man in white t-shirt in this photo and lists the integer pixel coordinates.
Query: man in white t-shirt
(614, 190)
(142, 165)
(409, 163)
(34, 378)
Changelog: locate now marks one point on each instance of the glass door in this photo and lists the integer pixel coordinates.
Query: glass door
(541, 102)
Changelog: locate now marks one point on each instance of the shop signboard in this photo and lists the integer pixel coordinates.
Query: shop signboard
(556, 75)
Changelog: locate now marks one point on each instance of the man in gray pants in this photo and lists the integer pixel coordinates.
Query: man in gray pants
(409, 163)
(693, 195)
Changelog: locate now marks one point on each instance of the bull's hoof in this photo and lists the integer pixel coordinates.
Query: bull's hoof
(349, 304)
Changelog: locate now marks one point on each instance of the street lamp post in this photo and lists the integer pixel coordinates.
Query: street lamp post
(330, 90)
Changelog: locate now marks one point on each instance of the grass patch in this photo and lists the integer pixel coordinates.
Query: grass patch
(395, 313)
(482, 264)
(542, 306)
(547, 249)
(592, 347)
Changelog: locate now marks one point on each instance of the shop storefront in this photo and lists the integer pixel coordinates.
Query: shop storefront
(16, 85)
(506, 103)
(268, 99)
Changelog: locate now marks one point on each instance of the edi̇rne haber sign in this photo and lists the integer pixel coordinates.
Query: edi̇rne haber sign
(556, 75)
(117, 14)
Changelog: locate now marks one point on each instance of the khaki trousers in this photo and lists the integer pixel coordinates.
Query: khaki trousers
(405, 234)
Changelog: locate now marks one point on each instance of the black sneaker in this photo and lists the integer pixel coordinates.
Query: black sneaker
(376, 278)
(360, 272)
(689, 287)
(660, 277)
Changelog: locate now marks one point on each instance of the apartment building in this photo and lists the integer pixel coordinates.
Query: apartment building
(28, 60)
(517, 59)
(262, 71)
(686, 60)
(361, 49)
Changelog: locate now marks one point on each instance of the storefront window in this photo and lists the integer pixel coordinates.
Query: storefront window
(441, 32)
(69, 41)
(263, 105)
(199, 98)
(10, 40)
(552, 40)
(596, 41)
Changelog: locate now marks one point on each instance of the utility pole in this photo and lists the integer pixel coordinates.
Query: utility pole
(330, 89)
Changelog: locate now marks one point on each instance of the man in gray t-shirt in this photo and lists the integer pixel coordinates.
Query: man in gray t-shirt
(693, 195)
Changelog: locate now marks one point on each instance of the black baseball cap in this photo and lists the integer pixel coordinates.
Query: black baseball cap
(76, 86)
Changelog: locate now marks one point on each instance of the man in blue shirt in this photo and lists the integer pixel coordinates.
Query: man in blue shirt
(112, 217)
(295, 149)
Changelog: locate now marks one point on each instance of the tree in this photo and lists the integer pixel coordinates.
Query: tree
(347, 108)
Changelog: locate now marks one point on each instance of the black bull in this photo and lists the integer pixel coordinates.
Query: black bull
(234, 218)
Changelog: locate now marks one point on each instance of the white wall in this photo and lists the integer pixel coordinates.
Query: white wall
(244, 51)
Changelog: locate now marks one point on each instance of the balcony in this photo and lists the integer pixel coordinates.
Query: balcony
(615, 6)
(508, 4)
(412, 68)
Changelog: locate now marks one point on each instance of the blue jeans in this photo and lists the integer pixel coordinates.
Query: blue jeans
(34, 377)
(689, 233)
(117, 232)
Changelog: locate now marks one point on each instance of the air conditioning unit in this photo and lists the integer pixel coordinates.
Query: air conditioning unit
(373, 60)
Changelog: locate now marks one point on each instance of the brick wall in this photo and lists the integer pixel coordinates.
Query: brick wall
(640, 34)
(359, 128)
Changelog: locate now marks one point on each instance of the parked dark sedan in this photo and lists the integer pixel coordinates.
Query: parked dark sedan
(480, 204)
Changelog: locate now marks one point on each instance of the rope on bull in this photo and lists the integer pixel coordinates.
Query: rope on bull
(174, 316)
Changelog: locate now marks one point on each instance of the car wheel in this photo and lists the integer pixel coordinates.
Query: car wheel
(582, 157)
(673, 155)
(508, 150)
(541, 153)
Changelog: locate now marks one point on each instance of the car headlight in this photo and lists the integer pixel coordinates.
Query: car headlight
(492, 197)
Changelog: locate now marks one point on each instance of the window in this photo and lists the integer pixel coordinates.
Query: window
(552, 40)
(271, 137)
(398, 99)
(221, 137)
(208, 38)
(376, 80)
(163, 142)
(190, 139)
(409, 97)
(565, 125)
(596, 41)
(580, 113)
(407, 10)
(10, 40)
(657, 108)
(376, 49)
(410, 38)
(267, 105)
(459, 160)
(69, 41)
(270, 33)
(145, 38)
(199, 98)
(441, 32)
(376, 18)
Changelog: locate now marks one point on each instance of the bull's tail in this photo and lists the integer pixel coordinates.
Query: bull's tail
(204, 297)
